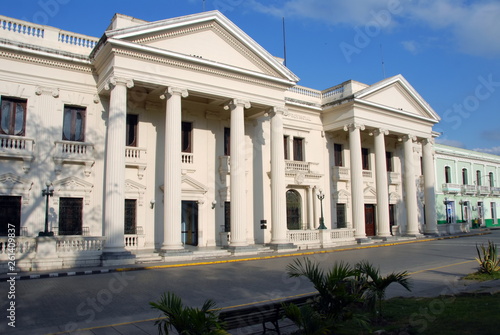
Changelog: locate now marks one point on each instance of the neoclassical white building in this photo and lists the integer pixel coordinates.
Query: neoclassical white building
(184, 135)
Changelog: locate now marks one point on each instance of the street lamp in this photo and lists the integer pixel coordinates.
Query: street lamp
(321, 196)
(47, 192)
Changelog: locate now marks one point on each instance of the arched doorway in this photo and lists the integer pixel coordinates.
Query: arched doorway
(293, 210)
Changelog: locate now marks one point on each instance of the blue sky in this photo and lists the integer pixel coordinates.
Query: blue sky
(449, 50)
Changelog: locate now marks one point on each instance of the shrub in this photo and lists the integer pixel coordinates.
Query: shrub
(488, 258)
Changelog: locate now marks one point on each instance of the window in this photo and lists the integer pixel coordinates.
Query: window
(13, 117)
(447, 175)
(187, 137)
(130, 216)
(74, 124)
(227, 216)
(478, 177)
(492, 180)
(286, 138)
(465, 179)
(388, 161)
(293, 210)
(298, 149)
(227, 141)
(365, 157)
(392, 215)
(131, 137)
(10, 212)
(337, 154)
(493, 207)
(341, 216)
(70, 216)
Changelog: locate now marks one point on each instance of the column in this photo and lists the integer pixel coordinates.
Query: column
(429, 186)
(410, 187)
(278, 187)
(114, 199)
(357, 198)
(237, 174)
(383, 225)
(172, 174)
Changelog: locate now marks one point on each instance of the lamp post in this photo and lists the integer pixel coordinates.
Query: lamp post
(321, 196)
(47, 192)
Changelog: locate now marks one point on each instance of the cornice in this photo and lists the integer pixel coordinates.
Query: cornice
(46, 62)
(197, 67)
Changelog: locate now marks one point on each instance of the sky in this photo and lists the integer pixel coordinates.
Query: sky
(449, 50)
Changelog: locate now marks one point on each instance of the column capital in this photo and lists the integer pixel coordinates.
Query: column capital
(379, 131)
(353, 126)
(115, 81)
(170, 91)
(237, 102)
(283, 111)
(428, 140)
(408, 137)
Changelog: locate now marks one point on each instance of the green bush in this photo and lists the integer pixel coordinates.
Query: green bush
(488, 258)
(187, 320)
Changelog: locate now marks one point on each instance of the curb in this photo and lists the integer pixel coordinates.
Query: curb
(10, 276)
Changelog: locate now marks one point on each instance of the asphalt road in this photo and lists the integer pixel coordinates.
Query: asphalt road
(53, 305)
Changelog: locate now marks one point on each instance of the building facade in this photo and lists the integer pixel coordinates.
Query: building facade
(182, 134)
(467, 187)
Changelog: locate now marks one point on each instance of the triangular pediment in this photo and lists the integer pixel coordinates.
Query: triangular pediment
(398, 95)
(10, 180)
(207, 38)
(190, 185)
(72, 183)
(370, 192)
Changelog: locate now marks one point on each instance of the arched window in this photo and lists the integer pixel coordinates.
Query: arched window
(478, 177)
(465, 179)
(293, 210)
(492, 180)
(447, 174)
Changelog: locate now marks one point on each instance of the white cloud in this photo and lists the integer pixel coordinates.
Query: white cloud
(451, 143)
(411, 46)
(493, 150)
(473, 26)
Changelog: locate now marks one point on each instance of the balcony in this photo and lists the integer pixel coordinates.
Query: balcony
(495, 191)
(483, 190)
(187, 158)
(451, 188)
(367, 174)
(299, 166)
(469, 189)
(68, 152)
(341, 173)
(17, 147)
(136, 157)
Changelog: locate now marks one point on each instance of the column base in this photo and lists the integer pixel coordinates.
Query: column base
(363, 240)
(282, 246)
(245, 249)
(110, 258)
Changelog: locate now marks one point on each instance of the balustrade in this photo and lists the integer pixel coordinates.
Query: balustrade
(187, 158)
(469, 189)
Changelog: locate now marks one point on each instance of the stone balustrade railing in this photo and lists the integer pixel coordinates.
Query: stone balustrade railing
(46, 36)
(79, 244)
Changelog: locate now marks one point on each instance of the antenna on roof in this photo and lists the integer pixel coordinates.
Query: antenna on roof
(382, 59)
(284, 42)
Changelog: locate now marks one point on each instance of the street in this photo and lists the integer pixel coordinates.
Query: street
(54, 305)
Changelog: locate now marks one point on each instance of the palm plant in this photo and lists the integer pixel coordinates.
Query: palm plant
(376, 284)
(187, 320)
(309, 321)
(488, 258)
(338, 290)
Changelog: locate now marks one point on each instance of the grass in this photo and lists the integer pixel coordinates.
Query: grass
(482, 276)
(444, 315)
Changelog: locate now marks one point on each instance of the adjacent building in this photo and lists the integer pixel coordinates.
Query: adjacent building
(163, 139)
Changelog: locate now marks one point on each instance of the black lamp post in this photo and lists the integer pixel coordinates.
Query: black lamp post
(47, 192)
(321, 196)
